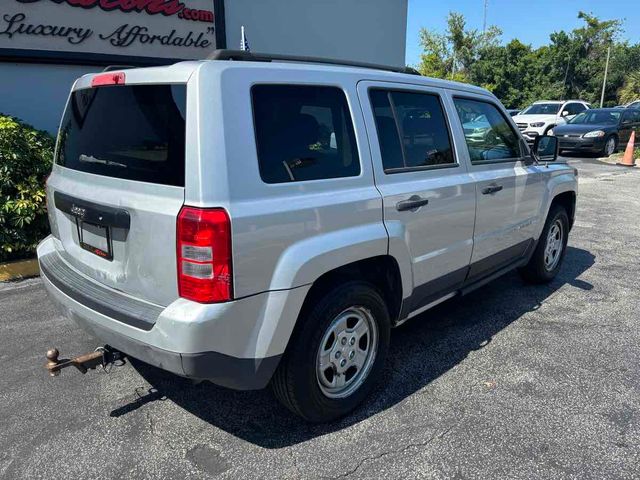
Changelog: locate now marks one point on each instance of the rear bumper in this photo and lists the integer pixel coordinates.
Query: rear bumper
(235, 344)
(221, 369)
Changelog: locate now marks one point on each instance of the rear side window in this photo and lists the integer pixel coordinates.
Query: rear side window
(489, 136)
(129, 132)
(303, 133)
(575, 108)
(412, 130)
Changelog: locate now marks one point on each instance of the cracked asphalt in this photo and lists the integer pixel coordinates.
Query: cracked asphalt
(512, 381)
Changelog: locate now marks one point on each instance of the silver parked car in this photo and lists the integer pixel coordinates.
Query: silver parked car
(261, 222)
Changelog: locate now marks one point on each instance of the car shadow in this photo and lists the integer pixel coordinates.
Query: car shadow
(421, 350)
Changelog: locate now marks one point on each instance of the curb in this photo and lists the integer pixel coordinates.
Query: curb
(19, 270)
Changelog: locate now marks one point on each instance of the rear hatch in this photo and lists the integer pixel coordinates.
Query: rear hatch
(117, 185)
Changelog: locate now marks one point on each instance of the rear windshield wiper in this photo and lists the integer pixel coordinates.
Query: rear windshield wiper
(92, 159)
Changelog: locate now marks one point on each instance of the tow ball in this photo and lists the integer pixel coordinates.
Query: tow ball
(102, 356)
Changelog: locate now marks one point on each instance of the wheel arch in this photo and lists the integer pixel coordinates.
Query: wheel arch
(382, 271)
(568, 201)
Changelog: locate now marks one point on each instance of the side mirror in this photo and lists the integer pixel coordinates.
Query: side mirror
(565, 113)
(545, 149)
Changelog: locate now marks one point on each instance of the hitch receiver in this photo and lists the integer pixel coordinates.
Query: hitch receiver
(89, 361)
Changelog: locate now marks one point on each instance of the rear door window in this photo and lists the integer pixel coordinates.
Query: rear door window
(130, 132)
(412, 130)
(575, 108)
(303, 133)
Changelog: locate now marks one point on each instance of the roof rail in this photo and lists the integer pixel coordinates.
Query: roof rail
(242, 55)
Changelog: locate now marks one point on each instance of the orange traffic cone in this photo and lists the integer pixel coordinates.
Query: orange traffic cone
(627, 159)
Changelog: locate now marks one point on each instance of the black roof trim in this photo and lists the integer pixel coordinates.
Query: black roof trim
(244, 56)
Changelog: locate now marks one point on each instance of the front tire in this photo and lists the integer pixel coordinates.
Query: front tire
(547, 258)
(336, 355)
(610, 146)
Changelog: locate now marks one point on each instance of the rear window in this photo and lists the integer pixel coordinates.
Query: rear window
(129, 132)
(303, 133)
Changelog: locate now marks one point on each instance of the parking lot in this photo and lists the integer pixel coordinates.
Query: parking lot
(512, 381)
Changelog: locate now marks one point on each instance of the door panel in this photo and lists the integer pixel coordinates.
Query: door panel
(629, 123)
(438, 231)
(509, 193)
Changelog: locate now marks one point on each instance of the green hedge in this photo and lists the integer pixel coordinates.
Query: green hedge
(26, 155)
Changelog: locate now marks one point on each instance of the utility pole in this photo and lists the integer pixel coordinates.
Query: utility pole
(484, 20)
(453, 64)
(606, 71)
(566, 75)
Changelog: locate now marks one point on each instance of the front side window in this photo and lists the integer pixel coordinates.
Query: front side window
(303, 133)
(412, 130)
(488, 135)
(632, 116)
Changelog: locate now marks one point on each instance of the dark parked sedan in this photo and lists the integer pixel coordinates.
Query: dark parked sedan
(600, 130)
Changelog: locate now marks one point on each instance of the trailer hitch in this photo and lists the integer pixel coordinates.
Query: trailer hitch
(103, 356)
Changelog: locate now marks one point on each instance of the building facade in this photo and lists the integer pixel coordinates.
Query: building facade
(46, 44)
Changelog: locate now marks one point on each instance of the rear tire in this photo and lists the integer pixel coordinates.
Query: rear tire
(336, 355)
(547, 258)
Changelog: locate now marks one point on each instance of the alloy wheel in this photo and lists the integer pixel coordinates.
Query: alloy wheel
(347, 352)
(554, 246)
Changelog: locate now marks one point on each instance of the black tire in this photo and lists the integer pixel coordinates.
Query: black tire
(295, 382)
(536, 271)
(603, 152)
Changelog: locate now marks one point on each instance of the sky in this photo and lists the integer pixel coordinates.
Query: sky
(530, 21)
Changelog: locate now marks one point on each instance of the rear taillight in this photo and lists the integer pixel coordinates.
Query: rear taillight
(204, 255)
(111, 78)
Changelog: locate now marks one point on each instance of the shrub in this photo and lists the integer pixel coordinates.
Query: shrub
(26, 155)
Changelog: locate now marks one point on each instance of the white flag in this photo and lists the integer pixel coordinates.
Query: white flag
(244, 44)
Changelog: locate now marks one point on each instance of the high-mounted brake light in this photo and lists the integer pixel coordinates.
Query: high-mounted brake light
(204, 255)
(111, 78)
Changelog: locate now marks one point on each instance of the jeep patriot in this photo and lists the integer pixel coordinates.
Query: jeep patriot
(268, 220)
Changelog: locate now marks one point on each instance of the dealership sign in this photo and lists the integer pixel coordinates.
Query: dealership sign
(161, 29)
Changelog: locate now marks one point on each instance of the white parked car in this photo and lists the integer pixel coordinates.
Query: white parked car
(538, 118)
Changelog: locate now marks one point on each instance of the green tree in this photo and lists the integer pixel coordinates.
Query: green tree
(451, 54)
(630, 91)
(571, 66)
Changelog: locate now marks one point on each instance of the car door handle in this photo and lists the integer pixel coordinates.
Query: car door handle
(491, 189)
(413, 203)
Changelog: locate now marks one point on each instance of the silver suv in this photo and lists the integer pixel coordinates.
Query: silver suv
(262, 222)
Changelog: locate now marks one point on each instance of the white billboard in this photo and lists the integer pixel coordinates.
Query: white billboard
(162, 29)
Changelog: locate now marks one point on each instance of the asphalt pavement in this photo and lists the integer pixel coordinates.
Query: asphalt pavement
(512, 381)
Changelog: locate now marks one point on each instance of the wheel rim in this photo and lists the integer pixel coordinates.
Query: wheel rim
(347, 352)
(611, 146)
(554, 245)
